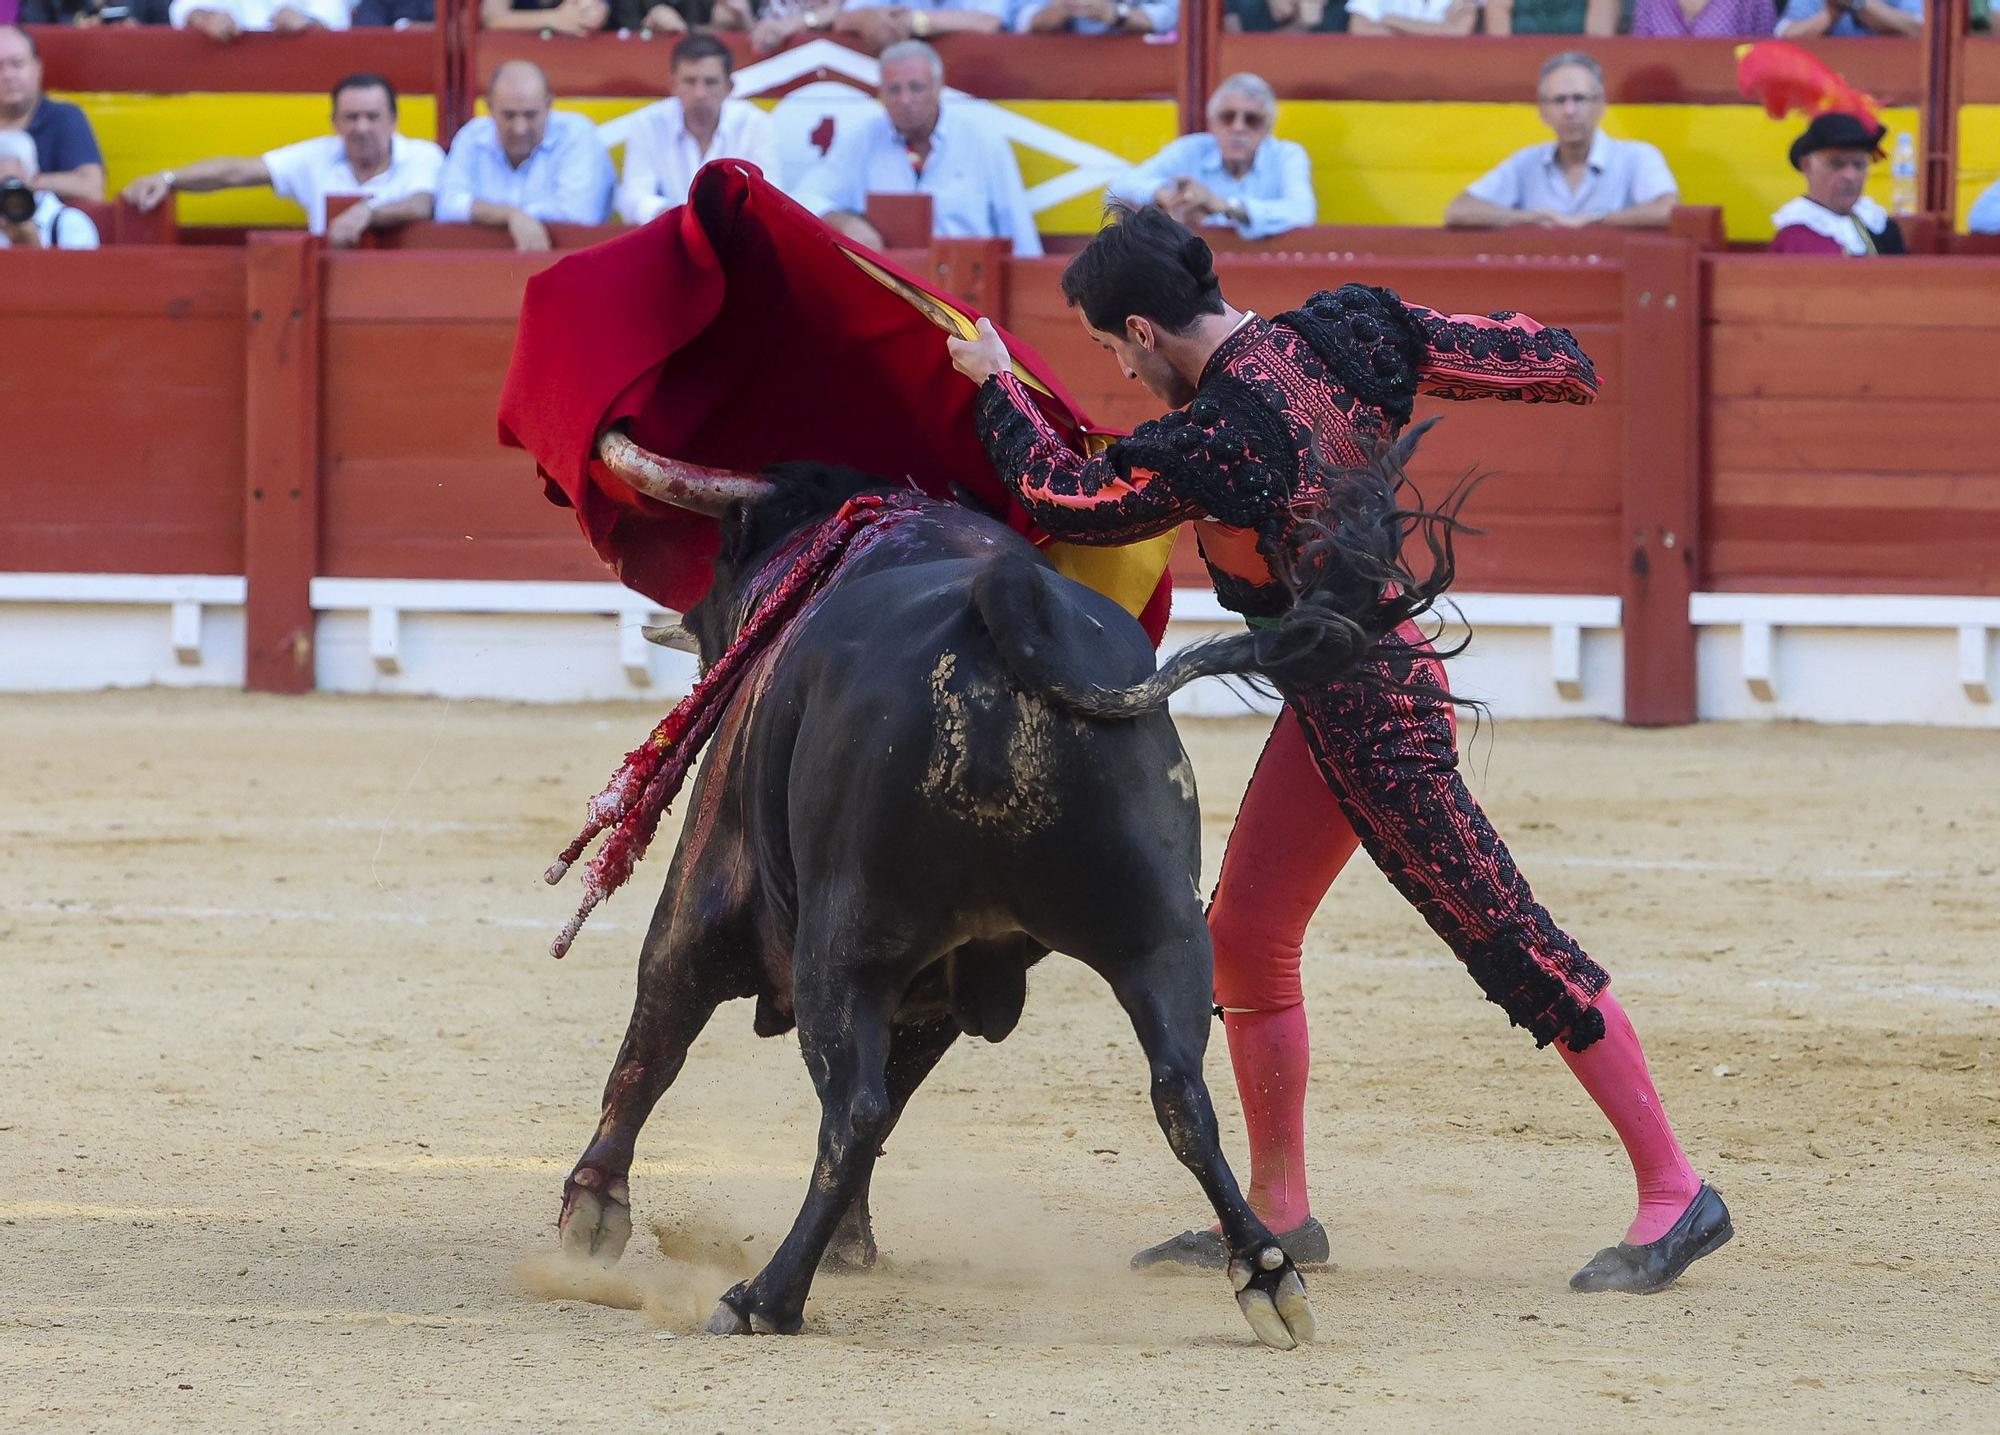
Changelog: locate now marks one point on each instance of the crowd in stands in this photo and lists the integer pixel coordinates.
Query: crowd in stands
(526, 164)
(877, 24)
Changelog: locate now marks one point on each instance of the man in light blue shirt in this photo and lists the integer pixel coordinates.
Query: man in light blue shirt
(1810, 19)
(1985, 215)
(523, 166)
(1584, 178)
(913, 147)
(1237, 174)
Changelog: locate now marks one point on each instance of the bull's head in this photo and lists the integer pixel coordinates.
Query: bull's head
(752, 524)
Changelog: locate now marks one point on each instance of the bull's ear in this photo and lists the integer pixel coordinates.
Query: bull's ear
(672, 635)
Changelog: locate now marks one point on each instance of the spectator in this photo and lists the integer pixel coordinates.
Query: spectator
(49, 224)
(775, 23)
(1810, 19)
(877, 24)
(1585, 177)
(1412, 17)
(560, 17)
(1702, 19)
(396, 177)
(698, 123)
(966, 168)
(1237, 174)
(1095, 17)
(223, 20)
(1326, 17)
(1580, 17)
(66, 154)
(679, 16)
(523, 166)
(1834, 216)
(1985, 215)
(393, 14)
(92, 12)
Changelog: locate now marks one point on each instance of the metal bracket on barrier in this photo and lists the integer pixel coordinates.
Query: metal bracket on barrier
(1974, 669)
(385, 638)
(1757, 661)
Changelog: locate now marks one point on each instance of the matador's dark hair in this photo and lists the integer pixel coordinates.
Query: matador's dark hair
(1144, 262)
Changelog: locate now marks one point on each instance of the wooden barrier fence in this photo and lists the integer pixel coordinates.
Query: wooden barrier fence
(285, 412)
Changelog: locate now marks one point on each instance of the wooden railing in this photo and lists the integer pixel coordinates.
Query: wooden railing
(285, 412)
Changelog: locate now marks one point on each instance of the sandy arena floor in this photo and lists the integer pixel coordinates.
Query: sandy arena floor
(288, 1089)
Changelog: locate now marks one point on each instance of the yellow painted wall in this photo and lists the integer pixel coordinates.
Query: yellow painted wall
(1373, 163)
(1401, 163)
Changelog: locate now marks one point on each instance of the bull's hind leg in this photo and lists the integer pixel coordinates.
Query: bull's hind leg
(1165, 992)
(674, 1003)
(915, 1048)
(844, 1036)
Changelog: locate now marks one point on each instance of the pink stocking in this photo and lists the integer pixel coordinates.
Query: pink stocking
(1272, 1057)
(1613, 1070)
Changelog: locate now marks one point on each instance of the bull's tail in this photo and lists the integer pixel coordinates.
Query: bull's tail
(1350, 583)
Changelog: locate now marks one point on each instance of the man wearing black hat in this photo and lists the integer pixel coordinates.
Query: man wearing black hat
(1834, 216)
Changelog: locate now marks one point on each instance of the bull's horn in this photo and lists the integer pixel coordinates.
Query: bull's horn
(684, 485)
(671, 635)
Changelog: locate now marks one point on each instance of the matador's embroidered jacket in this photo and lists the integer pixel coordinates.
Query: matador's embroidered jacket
(1321, 380)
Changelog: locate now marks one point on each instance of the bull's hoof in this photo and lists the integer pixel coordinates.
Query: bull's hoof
(850, 1257)
(596, 1219)
(852, 1248)
(1273, 1298)
(735, 1314)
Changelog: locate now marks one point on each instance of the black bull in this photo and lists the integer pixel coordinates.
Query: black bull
(953, 763)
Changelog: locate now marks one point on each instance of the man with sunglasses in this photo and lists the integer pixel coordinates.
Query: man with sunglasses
(1237, 173)
(1584, 178)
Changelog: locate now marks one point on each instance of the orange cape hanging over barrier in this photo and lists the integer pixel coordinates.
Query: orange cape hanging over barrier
(738, 331)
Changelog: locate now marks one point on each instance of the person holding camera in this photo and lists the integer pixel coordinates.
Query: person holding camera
(66, 153)
(31, 218)
(1812, 19)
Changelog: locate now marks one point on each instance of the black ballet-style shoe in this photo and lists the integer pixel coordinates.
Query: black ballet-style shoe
(1306, 1244)
(1704, 1227)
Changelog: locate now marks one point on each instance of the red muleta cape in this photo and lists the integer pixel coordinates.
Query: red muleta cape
(738, 331)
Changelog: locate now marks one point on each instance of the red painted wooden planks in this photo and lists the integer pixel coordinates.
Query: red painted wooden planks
(124, 404)
(281, 451)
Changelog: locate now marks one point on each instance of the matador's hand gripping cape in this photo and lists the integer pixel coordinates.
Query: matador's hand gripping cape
(738, 331)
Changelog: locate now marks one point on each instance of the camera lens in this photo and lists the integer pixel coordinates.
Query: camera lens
(17, 201)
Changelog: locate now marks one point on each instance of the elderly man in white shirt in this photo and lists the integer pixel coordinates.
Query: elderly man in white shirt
(1584, 178)
(48, 223)
(1236, 174)
(913, 147)
(223, 20)
(699, 123)
(397, 178)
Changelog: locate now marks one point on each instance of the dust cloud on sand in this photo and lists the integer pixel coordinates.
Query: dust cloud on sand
(288, 1090)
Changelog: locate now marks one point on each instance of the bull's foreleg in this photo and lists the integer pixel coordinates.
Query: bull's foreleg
(844, 1037)
(915, 1048)
(1166, 995)
(671, 1010)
